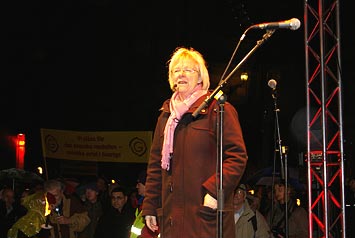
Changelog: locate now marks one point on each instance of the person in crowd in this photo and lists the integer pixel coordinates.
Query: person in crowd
(297, 216)
(350, 207)
(139, 229)
(70, 186)
(117, 221)
(10, 210)
(104, 194)
(181, 187)
(249, 223)
(255, 199)
(68, 215)
(26, 192)
(134, 197)
(94, 208)
(266, 200)
(34, 223)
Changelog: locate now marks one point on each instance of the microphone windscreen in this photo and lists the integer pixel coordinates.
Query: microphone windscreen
(295, 24)
(272, 83)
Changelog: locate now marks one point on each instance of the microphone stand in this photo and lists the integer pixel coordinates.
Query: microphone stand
(277, 128)
(208, 100)
(282, 151)
(220, 192)
(285, 151)
(218, 95)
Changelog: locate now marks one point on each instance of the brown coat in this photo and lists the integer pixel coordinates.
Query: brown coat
(176, 196)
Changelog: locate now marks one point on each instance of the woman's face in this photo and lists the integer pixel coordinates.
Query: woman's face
(186, 77)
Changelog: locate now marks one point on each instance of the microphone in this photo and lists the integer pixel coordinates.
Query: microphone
(58, 211)
(272, 84)
(292, 24)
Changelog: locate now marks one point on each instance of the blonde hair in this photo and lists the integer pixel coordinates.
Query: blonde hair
(182, 53)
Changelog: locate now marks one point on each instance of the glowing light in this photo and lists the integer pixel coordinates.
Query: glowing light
(298, 202)
(40, 170)
(46, 208)
(21, 140)
(113, 181)
(244, 76)
(20, 151)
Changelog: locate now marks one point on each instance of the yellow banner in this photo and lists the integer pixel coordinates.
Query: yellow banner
(101, 146)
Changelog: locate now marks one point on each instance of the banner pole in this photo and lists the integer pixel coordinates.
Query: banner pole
(45, 167)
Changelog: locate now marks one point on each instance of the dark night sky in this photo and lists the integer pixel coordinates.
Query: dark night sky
(101, 65)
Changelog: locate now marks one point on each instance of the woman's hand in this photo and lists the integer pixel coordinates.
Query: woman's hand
(151, 222)
(209, 201)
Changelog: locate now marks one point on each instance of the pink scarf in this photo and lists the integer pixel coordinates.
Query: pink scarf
(177, 108)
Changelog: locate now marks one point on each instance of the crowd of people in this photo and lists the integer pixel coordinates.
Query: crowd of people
(94, 209)
(101, 210)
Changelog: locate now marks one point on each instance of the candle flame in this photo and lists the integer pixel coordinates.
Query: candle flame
(47, 210)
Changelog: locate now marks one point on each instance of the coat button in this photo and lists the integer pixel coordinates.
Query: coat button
(171, 187)
(171, 221)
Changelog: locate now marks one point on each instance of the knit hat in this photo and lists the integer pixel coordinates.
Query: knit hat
(241, 187)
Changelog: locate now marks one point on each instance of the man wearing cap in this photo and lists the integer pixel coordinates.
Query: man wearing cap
(248, 223)
(94, 208)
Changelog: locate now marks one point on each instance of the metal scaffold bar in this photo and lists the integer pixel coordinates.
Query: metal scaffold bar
(325, 152)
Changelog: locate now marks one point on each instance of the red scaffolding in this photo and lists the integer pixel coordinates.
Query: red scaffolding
(325, 155)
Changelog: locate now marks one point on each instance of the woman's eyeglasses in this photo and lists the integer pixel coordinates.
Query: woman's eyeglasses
(186, 71)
